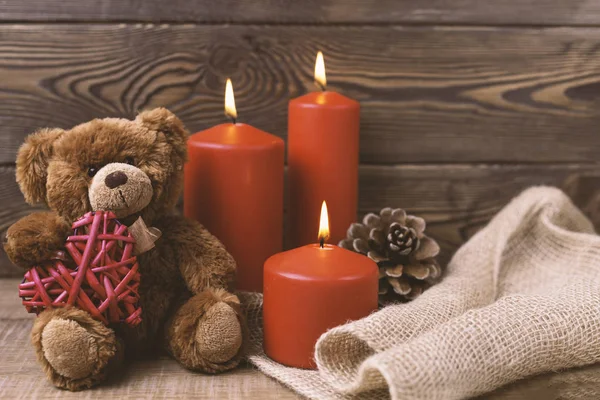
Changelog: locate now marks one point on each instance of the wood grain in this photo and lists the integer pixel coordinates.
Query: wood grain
(528, 12)
(585, 192)
(456, 200)
(428, 94)
(10, 303)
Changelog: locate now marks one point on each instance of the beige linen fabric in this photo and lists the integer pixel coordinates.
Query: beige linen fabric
(522, 297)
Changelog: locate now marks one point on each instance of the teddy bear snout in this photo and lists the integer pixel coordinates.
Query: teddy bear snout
(121, 188)
(115, 179)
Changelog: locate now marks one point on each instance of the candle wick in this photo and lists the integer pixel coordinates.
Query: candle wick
(233, 121)
(322, 242)
(320, 86)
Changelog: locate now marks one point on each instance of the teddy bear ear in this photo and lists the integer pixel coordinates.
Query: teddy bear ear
(163, 120)
(32, 163)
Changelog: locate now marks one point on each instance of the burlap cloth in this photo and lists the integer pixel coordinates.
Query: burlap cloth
(522, 297)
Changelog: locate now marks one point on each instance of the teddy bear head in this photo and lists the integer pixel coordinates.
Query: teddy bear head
(132, 168)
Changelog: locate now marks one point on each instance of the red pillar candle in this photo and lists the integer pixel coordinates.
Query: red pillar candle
(323, 145)
(309, 290)
(234, 187)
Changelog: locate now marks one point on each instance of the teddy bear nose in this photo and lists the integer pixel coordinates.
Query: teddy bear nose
(115, 179)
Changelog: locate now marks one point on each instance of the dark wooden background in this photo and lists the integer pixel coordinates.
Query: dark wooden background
(464, 104)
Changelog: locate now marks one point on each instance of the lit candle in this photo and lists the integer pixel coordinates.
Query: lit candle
(234, 187)
(311, 289)
(323, 143)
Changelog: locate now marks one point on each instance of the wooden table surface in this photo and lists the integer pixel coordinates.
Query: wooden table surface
(22, 377)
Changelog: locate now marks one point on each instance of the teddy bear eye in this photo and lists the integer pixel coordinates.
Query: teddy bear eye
(129, 160)
(92, 171)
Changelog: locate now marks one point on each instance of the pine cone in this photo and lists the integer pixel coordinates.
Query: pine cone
(399, 246)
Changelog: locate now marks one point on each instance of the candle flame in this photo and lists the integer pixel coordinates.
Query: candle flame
(323, 224)
(320, 77)
(230, 110)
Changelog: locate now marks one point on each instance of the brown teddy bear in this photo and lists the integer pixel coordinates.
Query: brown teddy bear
(134, 169)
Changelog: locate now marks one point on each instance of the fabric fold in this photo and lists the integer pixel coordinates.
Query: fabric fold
(520, 298)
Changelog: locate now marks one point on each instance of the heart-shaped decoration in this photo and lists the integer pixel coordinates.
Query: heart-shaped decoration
(98, 273)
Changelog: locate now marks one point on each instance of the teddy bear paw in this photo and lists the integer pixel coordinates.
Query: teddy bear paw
(69, 348)
(74, 349)
(35, 238)
(219, 334)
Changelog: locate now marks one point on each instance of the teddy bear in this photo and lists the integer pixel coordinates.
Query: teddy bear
(133, 168)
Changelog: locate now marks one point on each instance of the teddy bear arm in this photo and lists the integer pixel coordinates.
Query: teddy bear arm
(36, 238)
(202, 259)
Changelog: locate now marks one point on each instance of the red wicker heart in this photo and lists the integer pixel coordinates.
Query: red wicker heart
(101, 275)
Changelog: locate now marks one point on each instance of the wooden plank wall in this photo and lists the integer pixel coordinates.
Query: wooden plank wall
(464, 104)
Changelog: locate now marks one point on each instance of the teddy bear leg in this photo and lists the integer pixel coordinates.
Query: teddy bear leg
(207, 332)
(73, 348)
